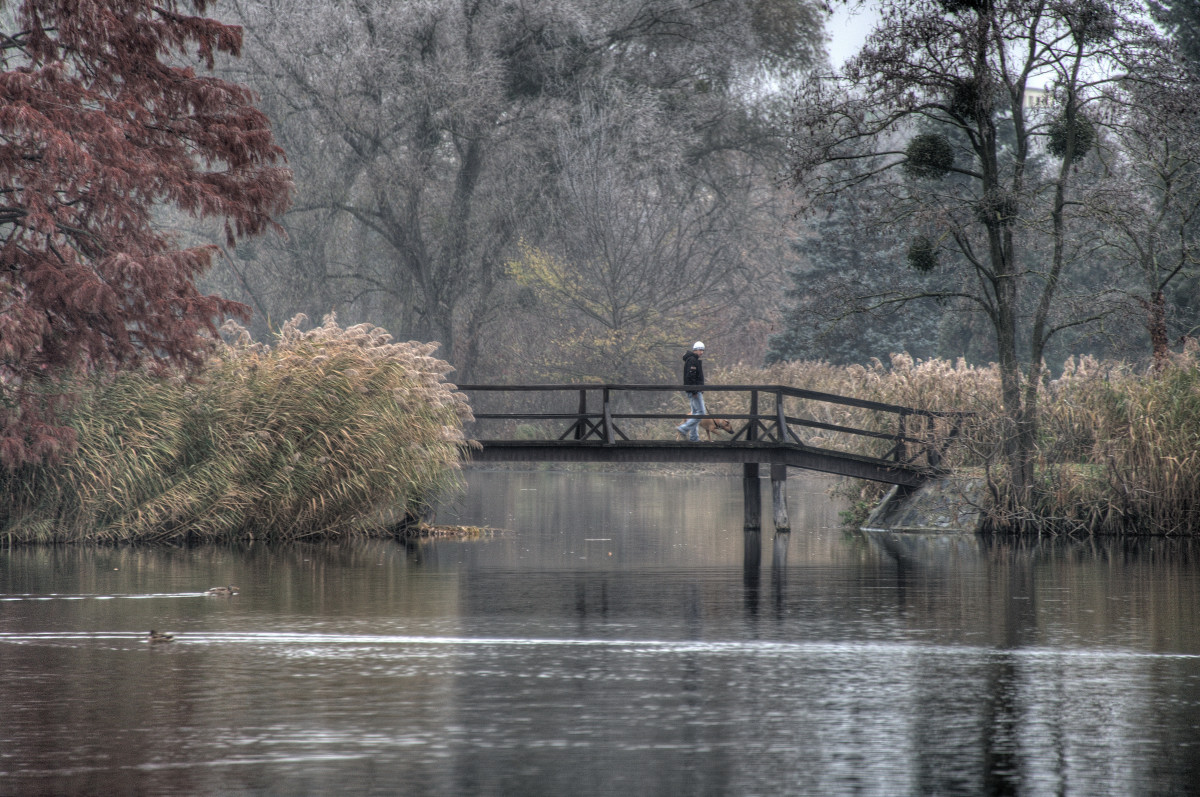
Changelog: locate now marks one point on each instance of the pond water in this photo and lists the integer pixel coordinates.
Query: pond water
(618, 634)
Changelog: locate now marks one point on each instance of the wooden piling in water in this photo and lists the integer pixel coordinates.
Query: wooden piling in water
(779, 497)
(751, 496)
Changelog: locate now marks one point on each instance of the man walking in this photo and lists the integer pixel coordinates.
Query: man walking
(693, 374)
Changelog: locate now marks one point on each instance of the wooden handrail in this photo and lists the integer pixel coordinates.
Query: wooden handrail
(602, 425)
(915, 441)
(785, 390)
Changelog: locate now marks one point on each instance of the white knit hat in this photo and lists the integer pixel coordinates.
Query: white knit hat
(698, 345)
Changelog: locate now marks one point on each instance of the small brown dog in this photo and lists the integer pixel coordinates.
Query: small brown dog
(710, 425)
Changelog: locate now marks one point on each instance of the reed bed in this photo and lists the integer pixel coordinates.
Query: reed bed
(1132, 451)
(934, 385)
(330, 432)
(1119, 447)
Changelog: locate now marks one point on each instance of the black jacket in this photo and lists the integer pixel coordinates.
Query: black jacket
(693, 369)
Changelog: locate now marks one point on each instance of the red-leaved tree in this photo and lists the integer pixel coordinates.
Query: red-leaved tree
(103, 121)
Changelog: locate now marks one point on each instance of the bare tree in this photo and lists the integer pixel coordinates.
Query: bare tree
(428, 132)
(1149, 208)
(935, 120)
(642, 252)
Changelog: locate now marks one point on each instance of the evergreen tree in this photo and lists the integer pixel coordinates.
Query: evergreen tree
(1181, 18)
(825, 321)
(846, 302)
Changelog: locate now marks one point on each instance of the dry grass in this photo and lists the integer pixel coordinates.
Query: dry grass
(330, 432)
(1130, 450)
(336, 432)
(1119, 449)
(934, 385)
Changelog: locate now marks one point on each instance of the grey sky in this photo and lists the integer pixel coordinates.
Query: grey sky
(849, 28)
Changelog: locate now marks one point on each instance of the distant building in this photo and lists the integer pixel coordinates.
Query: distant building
(1036, 98)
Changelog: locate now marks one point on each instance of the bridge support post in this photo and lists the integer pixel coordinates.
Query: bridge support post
(752, 570)
(779, 497)
(751, 496)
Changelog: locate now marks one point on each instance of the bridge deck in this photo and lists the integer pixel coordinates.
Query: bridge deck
(763, 452)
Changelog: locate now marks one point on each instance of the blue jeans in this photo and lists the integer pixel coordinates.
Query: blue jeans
(691, 427)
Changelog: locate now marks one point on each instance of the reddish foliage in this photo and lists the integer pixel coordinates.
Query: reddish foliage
(101, 120)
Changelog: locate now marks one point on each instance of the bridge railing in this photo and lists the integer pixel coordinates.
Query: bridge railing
(773, 414)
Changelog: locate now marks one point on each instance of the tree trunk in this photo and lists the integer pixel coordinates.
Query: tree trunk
(1021, 435)
(1020, 439)
(1156, 325)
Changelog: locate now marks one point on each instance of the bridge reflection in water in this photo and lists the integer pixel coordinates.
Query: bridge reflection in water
(778, 426)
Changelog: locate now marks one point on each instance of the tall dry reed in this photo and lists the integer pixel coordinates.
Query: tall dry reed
(1119, 448)
(1130, 449)
(331, 431)
(932, 385)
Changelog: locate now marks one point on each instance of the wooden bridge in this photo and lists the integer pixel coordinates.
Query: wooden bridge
(780, 426)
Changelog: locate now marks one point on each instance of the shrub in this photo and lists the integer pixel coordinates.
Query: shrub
(330, 432)
(959, 6)
(996, 207)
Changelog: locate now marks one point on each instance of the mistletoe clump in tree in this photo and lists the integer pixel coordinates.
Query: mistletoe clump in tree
(1011, 210)
(102, 122)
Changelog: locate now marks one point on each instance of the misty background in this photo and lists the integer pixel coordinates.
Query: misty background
(578, 189)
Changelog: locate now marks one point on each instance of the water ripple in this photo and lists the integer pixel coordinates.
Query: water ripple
(310, 641)
(54, 596)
